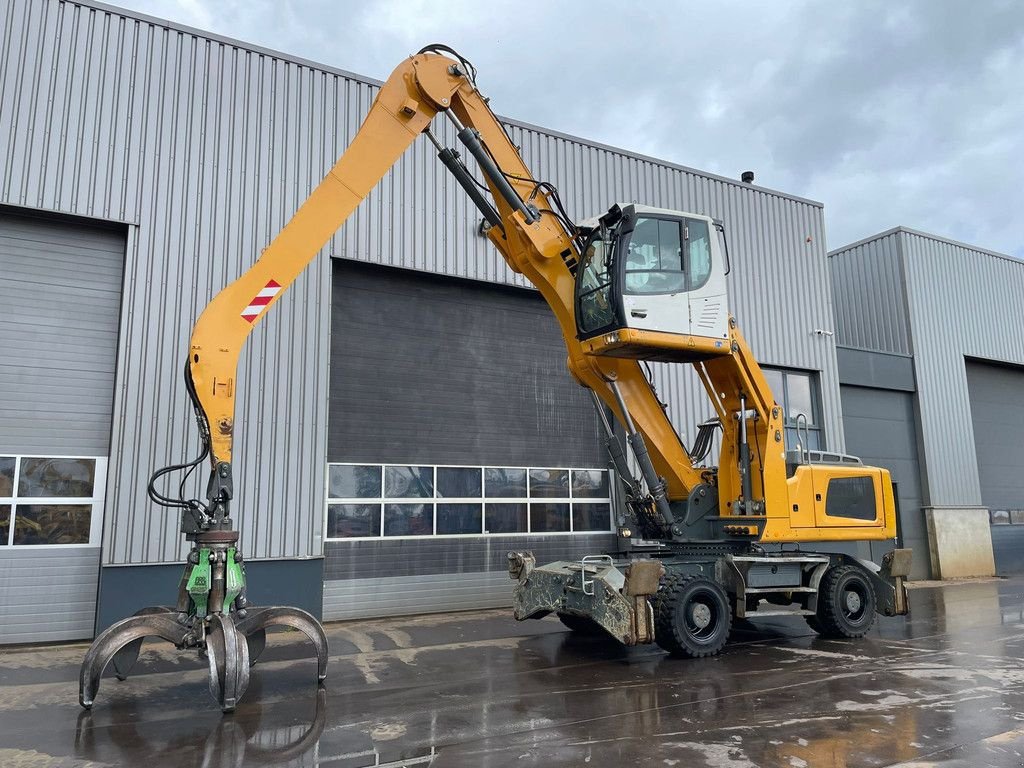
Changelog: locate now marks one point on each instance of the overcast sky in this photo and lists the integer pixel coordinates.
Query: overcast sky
(889, 113)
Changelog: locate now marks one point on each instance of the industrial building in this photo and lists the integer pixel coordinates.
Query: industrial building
(930, 338)
(408, 382)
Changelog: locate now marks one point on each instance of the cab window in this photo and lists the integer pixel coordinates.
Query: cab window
(594, 306)
(699, 249)
(654, 258)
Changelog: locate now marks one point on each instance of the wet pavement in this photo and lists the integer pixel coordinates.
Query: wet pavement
(944, 687)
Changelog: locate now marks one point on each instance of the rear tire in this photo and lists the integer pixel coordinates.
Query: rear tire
(580, 625)
(846, 604)
(692, 616)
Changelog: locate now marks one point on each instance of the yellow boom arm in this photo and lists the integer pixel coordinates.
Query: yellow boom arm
(541, 249)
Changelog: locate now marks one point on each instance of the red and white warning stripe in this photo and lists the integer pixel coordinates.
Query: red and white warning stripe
(260, 301)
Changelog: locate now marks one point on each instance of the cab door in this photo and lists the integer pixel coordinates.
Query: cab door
(654, 278)
(705, 267)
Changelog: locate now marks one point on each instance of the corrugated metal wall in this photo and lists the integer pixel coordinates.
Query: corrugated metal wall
(206, 146)
(870, 295)
(960, 302)
(49, 595)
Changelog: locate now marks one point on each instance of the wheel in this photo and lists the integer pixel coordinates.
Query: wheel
(846, 603)
(691, 616)
(580, 625)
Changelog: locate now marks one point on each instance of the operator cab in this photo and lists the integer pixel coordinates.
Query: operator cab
(651, 285)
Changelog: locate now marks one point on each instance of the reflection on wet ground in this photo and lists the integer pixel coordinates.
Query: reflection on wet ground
(944, 687)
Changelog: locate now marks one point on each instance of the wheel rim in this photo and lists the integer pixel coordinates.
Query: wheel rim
(701, 617)
(854, 601)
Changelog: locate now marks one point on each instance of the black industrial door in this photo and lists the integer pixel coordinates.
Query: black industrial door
(434, 370)
(997, 413)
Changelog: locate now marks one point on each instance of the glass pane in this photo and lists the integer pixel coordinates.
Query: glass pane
(549, 517)
(459, 482)
(361, 482)
(852, 497)
(57, 477)
(549, 483)
(5, 523)
(408, 519)
(348, 520)
(654, 258)
(700, 252)
(459, 518)
(798, 390)
(408, 482)
(506, 518)
(6, 476)
(595, 307)
(591, 517)
(52, 523)
(775, 382)
(589, 484)
(507, 483)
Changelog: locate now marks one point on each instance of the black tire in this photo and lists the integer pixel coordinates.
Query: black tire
(846, 603)
(692, 616)
(580, 625)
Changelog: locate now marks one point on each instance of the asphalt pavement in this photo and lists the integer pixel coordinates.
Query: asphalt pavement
(942, 687)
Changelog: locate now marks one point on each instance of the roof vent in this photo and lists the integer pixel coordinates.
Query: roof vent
(747, 177)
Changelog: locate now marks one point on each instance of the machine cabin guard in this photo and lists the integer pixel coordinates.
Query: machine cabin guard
(638, 284)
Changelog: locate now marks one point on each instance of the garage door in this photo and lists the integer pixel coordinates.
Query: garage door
(60, 296)
(447, 389)
(879, 427)
(997, 412)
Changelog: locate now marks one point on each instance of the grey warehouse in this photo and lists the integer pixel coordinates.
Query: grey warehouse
(408, 414)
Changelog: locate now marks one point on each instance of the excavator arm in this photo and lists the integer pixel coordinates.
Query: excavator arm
(524, 226)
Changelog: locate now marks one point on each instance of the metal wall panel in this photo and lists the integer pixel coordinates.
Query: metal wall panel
(963, 302)
(997, 414)
(870, 295)
(408, 595)
(208, 145)
(60, 297)
(960, 302)
(49, 594)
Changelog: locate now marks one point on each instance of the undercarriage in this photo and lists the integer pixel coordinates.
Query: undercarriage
(685, 596)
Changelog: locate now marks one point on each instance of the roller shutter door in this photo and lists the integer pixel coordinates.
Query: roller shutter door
(433, 370)
(60, 293)
(997, 413)
(879, 427)
(428, 370)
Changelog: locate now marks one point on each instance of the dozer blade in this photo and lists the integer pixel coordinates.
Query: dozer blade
(126, 634)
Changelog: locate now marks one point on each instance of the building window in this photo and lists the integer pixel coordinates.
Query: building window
(51, 500)
(371, 501)
(797, 393)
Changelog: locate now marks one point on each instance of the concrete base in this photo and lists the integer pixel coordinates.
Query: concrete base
(960, 542)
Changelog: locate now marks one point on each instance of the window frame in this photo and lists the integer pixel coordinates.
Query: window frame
(815, 426)
(683, 225)
(96, 501)
(483, 500)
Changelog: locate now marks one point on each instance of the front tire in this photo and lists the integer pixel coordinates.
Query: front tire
(692, 616)
(846, 603)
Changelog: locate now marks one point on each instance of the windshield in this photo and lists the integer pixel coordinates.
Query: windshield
(594, 308)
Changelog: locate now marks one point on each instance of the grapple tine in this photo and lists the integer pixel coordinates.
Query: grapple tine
(126, 656)
(259, 619)
(228, 655)
(118, 636)
(257, 642)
